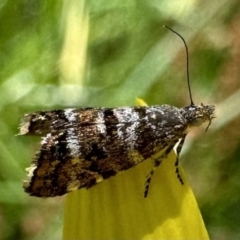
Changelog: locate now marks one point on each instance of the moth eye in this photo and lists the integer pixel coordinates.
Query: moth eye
(205, 118)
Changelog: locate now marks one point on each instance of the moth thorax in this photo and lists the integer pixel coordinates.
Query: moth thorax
(197, 115)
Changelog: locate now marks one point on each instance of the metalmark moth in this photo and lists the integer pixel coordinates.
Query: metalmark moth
(83, 146)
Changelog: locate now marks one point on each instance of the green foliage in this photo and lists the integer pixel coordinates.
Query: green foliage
(128, 55)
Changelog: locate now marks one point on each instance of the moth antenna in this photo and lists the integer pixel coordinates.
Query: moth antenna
(187, 55)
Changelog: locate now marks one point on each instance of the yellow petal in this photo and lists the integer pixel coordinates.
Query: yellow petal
(140, 102)
(116, 208)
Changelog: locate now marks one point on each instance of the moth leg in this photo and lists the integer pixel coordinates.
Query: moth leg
(157, 162)
(149, 177)
(178, 150)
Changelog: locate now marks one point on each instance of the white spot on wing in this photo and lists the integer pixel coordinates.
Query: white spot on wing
(72, 142)
(45, 139)
(30, 170)
(101, 128)
(150, 111)
(131, 132)
(126, 115)
(128, 134)
(130, 117)
(70, 115)
(100, 123)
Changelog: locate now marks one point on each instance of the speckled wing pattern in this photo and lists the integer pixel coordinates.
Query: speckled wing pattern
(82, 147)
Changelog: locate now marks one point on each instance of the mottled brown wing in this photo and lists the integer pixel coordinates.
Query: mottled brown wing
(86, 146)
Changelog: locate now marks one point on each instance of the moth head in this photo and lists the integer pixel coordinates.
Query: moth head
(197, 115)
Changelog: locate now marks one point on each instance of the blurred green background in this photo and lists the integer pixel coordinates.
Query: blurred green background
(57, 54)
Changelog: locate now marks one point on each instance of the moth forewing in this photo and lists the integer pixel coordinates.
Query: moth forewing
(111, 140)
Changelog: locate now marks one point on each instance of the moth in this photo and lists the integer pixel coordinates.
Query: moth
(84, 146)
